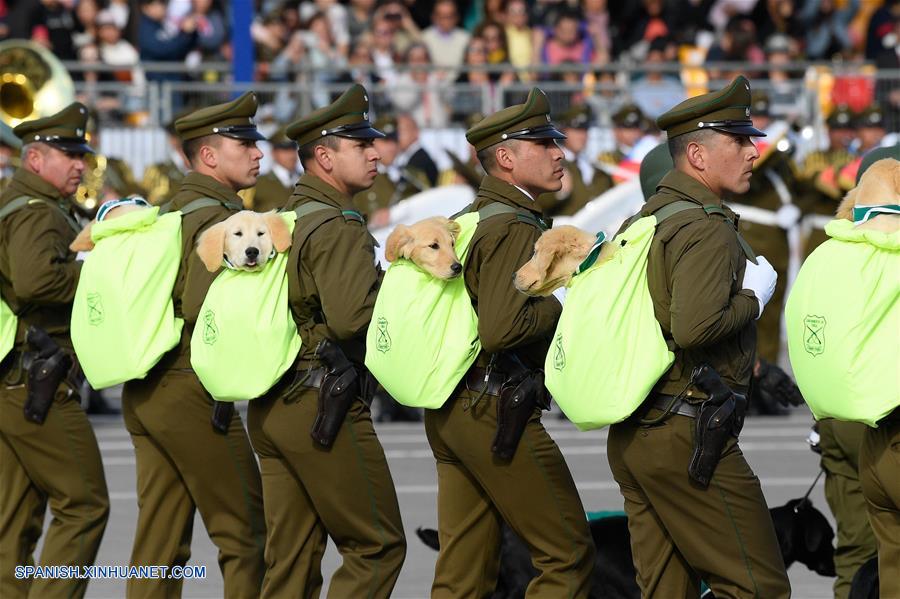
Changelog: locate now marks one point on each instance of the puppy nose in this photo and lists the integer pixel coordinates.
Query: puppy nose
(456, 268)
(252, 252)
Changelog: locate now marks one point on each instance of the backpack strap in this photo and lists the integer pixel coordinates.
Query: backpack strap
(681, 205)
(20, 202)
(301, 233)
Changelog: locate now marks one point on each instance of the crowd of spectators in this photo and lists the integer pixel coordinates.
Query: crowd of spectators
(439, 60)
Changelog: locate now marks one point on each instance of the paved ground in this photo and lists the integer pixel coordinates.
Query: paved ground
(776, 449)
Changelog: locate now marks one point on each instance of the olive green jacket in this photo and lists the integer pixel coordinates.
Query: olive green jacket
(332, 275)
(507, 319)
(38, 272)
(270, 194)
(193, 280)
(695, 271)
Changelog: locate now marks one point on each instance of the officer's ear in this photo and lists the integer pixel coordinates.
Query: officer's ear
(211, 246)
(394, 247)
(278, 231)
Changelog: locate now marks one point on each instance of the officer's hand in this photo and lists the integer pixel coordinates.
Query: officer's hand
(760, 279)
(773, 383)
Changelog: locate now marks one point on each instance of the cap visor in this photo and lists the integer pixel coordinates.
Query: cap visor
(742, 130)
(73, 147)
(249, 133)
(362, 133)
(548, 132)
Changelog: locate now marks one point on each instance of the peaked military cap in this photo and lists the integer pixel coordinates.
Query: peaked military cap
(387, 124)
(727, 110)
(654, 167)
(280, 141)
(840, 118)
(874, 156)
(348, 116)
(629, 116)
(233, 119)
(870, 117)
(760, 103)
(530, 120)
(64, 130)
(576, 117)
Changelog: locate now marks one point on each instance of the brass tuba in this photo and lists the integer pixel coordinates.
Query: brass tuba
(33, 82)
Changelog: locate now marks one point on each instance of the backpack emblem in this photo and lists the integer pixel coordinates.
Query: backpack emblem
(95, 309)
(382, 338)
(210, 330)
(814, 334)
(559, 356)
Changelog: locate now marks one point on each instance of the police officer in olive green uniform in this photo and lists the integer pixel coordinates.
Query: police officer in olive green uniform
(274, 188)
(819, 174)
(583, 181)
(56, 462)
(533, 492)
(839, 443)
(185, 461)
(879, 465)
(314, 490)
(707, 295)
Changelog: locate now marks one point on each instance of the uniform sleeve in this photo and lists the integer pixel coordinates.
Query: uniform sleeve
(703, 309)
(340, 257)
(42, 269)
(506, 317)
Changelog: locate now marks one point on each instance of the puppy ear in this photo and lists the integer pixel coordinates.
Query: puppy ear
(211, 246)
(83, 241)
(544, 258)
(278, 231)
(454, 229)
(845, 210)
(396, 241)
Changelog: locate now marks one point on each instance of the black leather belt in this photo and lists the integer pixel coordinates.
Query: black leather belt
(682, 408)
(475, 381)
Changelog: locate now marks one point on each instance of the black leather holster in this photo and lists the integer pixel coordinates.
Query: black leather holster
(340, 388)
(222, 413)
(47, 366)
(719, 418)
(520, 393)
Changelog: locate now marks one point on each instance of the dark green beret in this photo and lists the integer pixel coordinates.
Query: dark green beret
(629, 116)
(576, 117)
(387, 124)
(727, 110)
(841, 117)
(64, 130)
(232, 119)
(348, 116)
(870, 117)
(875, 155)
(530, 120)
(654, 167)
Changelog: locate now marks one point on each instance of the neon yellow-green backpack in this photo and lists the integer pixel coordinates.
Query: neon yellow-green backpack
(608, 350)
(8, 324)
(424, 332)
(123, 320)
(843, 324)
(245, 337)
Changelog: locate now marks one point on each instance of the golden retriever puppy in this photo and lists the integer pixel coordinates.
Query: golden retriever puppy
(557, 254)
(429, 243)
(114, 209)
(245, 240)
(879, 185)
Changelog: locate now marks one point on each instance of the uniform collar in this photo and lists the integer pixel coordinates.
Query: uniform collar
(203, 186)
(495, 190)
(284, 176)
(311, 187)
(26, 183)
(687, 187)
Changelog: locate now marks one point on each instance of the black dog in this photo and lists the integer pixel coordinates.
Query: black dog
(865, 581)
(804, 536)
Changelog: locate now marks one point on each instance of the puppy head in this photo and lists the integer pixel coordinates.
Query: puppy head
(83, 241)
(245, 239)
(880, 184)
(804, 536)
(429, 243)
(557, 254)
